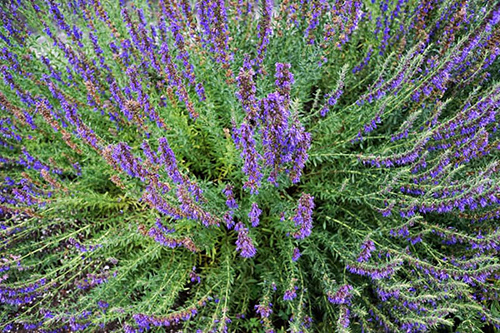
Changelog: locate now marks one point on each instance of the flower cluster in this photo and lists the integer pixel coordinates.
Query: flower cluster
(254, 214)
(366, 250)
(21, 295)
(284, 139)
(290, 294)
(244, 243)
(148, 149)
(303, 216)
(83, 248)
(264, 310)
(144, 321)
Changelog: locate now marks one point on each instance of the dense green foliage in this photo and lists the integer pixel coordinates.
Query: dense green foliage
(129, 199)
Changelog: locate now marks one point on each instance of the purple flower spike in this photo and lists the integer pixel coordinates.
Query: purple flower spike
(303, 217)
(290, 294)
(264, 310)
(230, 202)
(367, 248)
(296, 254)
(254, 214)
(342, 296)
(244, 242)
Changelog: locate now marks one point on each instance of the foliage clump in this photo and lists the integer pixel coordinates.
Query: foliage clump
(250, 166)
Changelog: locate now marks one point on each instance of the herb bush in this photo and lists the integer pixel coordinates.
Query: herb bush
(249, 166)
